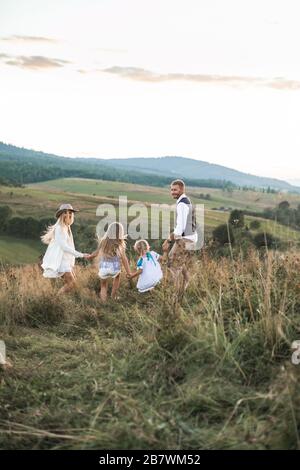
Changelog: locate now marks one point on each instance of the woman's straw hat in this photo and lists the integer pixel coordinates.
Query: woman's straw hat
(64, 207)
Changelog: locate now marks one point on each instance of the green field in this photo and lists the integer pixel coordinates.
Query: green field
(19, 251)
(42, 199)
(210, 371)
(106, 189)
(251, 200)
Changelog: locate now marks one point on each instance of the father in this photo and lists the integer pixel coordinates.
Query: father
(184, 236)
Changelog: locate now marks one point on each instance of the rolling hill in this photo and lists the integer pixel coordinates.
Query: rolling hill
(19, 165)
(40, 200)
(189, 168)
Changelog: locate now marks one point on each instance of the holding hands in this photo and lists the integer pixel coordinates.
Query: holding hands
(90, 256)
(166, 245)
(130, 275)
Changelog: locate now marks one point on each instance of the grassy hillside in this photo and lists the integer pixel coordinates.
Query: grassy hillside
(103, 191)
(42, 199)
(252, 200)
(19, 251)
(152, 372)
(19, 166)
(180, 167)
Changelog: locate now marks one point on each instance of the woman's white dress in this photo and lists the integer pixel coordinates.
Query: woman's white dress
(60, 254)
(109, 267)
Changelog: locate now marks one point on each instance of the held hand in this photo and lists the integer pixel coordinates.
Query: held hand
(87, 256)
(166, 245)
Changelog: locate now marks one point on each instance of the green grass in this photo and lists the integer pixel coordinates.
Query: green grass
(285, 233)
(251, 200)
(280, 231)
(210, 371)
(19, 251)
(106, 189)
(42, 199)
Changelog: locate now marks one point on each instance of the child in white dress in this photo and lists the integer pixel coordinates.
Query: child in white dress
(59, 259)
(111, 254)
(148, 267)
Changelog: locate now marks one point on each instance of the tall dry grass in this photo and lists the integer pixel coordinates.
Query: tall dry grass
(210, 369)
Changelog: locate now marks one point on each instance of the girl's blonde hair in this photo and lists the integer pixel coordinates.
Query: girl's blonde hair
(48, 236)
(114, 240)
(141, 245)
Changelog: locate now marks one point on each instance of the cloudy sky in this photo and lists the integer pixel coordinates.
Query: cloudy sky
(215, 80)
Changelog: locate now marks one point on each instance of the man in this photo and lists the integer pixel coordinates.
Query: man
(184, 236)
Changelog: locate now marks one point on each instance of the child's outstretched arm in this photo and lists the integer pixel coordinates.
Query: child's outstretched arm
(139, 270)
(134, 274)
(94, 254)
(125, 262)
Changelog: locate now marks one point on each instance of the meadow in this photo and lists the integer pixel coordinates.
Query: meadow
(41, 200)
(211, 370)
(251, 200)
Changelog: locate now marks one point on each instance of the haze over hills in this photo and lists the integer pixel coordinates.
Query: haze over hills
(31, 166)
(294, 182)
(190, 168)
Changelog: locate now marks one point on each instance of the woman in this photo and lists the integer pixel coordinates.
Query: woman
(59, 259)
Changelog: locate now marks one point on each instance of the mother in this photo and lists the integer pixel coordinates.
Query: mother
(59, 259)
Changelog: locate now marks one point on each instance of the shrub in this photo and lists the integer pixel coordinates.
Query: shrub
(265, 239)
(223, 234)
(5, 214)
(237, 218)
(254, 224)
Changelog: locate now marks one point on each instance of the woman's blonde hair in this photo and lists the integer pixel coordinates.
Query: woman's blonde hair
(114, 240)
(141, 245)
(48, 236)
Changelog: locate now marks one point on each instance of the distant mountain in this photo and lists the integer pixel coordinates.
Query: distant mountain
(177, 167)
(294, 182)
(19, 165)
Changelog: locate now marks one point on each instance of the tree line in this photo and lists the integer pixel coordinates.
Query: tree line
(282, 213)
(18, 168)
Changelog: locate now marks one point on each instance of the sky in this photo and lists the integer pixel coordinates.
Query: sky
(214, 80)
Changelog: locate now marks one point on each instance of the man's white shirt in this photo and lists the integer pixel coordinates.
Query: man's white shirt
(182, 212)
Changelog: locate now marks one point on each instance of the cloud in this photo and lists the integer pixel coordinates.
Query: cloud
(143, 75)
(18, 38)
(283, 84)
(34, 62)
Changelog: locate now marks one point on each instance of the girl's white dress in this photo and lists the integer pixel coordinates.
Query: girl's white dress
(152, 272)
(109, 267)
(60, 254)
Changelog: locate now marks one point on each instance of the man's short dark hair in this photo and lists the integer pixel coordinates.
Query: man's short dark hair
(178, 183)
